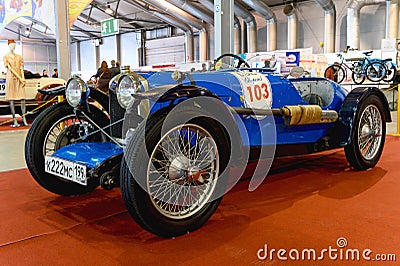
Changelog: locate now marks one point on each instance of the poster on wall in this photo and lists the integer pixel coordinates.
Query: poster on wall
(2, 12)
(17, 8)
(40, 10)
(75, 8)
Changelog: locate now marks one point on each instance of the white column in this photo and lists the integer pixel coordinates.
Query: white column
(223, 26)
(62, 39)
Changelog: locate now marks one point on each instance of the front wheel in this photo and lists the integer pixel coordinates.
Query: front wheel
(358, 75)
(54, 128)
(170, 178)
(368, 137)
(335, 73)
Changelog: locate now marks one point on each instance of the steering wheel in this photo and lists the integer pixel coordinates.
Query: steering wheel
(241, 60)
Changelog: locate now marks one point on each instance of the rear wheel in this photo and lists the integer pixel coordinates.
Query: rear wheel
(169, 180)
(375, 71)
(368, 136)
(335, 73)
(54, 128)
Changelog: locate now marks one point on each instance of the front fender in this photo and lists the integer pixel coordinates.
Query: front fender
(206, 99)
(102, 98)
(350, 106)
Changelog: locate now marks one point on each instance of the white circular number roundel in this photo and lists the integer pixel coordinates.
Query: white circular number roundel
(256, 90)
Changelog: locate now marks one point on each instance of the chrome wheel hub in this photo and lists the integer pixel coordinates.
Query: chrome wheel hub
(182, 171)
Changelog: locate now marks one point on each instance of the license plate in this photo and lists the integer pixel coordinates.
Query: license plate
(2, 86)
(74, 172)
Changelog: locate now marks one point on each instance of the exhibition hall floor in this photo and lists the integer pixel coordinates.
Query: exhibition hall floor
(311, 202)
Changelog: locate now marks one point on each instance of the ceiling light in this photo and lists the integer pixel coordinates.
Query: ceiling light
(109, 10)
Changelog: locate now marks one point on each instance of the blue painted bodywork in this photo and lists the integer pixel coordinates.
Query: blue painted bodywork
(227, 87)
(91, 154)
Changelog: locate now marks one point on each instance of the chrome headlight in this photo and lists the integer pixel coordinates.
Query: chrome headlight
(76, 87)
(127, 85)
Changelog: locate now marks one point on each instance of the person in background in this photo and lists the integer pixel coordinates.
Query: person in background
(44, 74)
(211, 66)
(203, 67)
(103, 77)
(115, 70)
(55, 75)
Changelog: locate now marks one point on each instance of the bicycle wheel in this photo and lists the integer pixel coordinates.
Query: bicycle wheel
(358, 75)
(391, 72)
(375, 71)
(335, 73)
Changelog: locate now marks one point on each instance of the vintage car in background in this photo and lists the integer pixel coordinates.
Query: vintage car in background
(34, 98)
(176, 142)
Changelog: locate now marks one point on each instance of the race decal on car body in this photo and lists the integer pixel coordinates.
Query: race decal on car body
(256, 90)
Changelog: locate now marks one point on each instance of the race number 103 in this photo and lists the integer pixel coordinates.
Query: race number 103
(258, 92)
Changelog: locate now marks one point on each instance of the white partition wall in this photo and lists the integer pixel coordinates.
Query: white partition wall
(130, 43)
(39, 56)
(165, 51)
(74, 57)
(108, 50)
(88, 57)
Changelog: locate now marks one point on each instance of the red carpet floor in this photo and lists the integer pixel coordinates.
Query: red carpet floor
(305, 203)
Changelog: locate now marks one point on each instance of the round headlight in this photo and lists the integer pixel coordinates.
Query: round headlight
(74, 90)
(126, 87)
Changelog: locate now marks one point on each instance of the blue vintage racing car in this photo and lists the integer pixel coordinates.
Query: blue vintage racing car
(175, 142)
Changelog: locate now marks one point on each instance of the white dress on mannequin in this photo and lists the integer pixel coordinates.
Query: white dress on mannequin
(15, 81)
(15, 89)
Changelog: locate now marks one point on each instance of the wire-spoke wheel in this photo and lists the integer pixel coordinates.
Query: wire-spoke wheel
(171, 174)
(54, 128)
(368, 137)
(370, 132)
(358, 75)
(182, 171)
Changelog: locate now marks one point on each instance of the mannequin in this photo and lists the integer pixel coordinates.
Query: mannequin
(15, 81)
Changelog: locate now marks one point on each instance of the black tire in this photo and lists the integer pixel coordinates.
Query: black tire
(370, 131)
(375, 71)
(144, 208)
(36, 146)
(335, 73)
(391, 72)
(358, 75)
